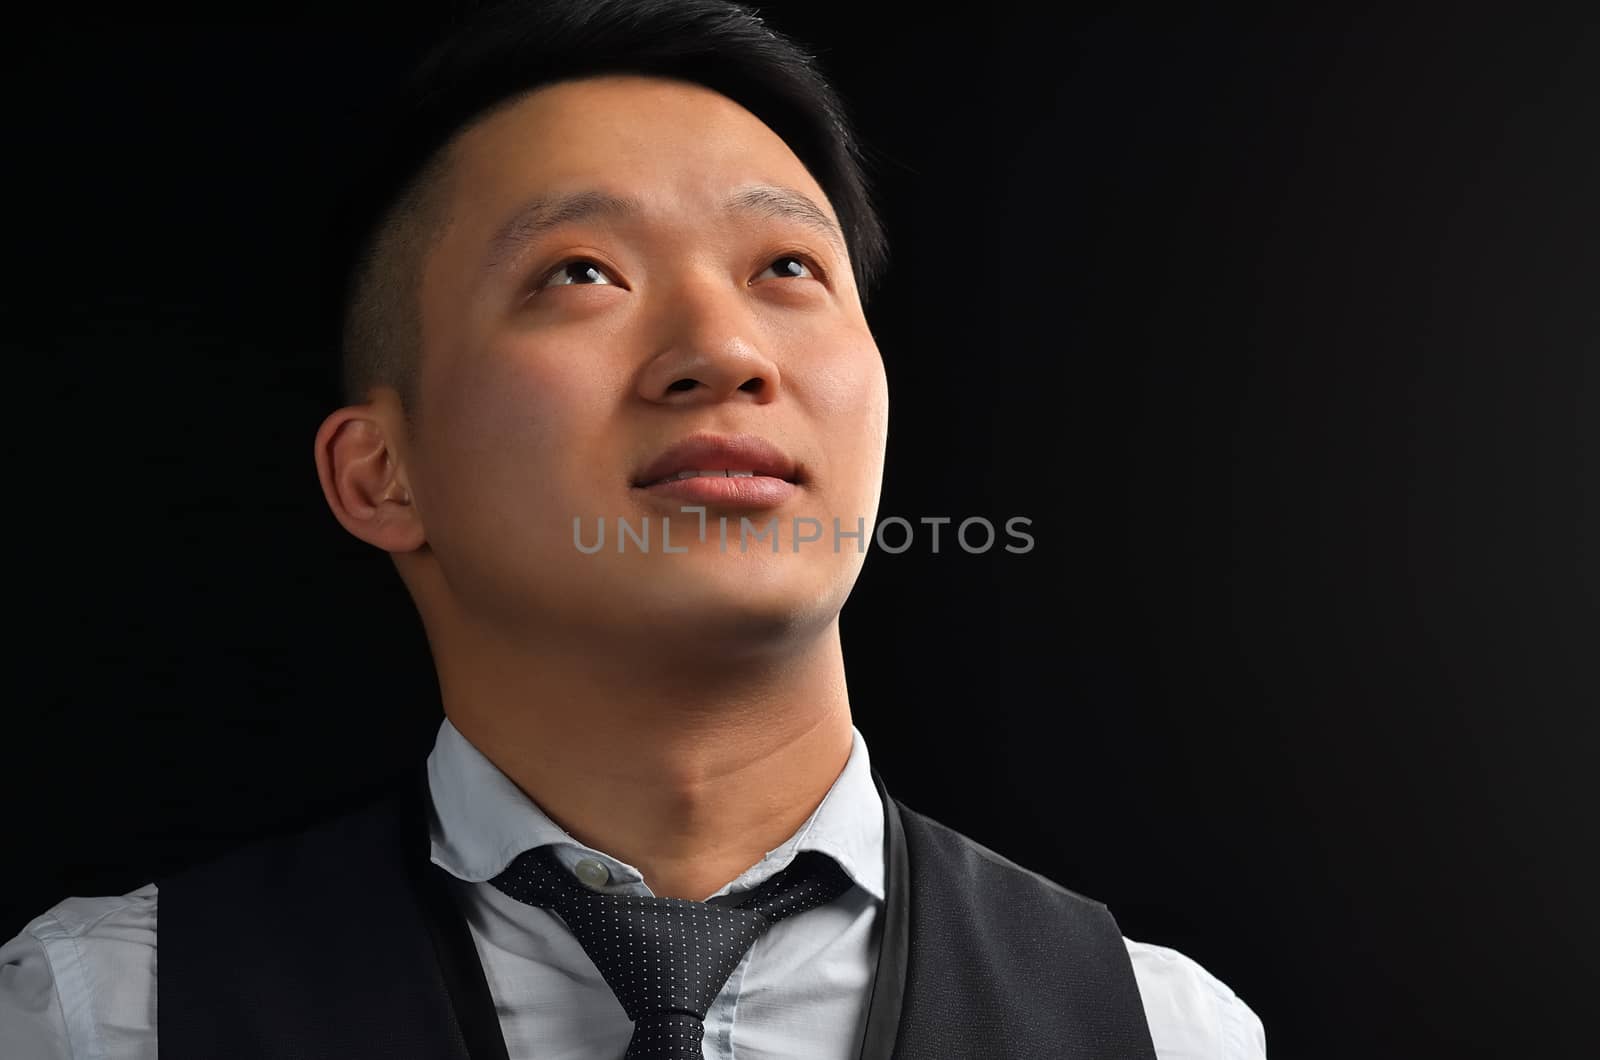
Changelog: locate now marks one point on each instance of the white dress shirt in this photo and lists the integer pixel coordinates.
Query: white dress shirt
(79, 980)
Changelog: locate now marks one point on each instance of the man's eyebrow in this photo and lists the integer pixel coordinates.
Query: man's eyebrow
(540, 215)
(773, 201)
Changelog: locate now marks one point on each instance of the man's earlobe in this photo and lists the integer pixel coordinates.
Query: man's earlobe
(363, 479)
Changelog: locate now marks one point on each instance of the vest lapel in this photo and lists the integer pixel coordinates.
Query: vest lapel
(894, 929)
(459, 966)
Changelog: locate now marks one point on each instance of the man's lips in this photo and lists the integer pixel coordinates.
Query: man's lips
(732, 454)
(747, 491)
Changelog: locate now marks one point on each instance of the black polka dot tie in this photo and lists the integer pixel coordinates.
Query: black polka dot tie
(667, 959)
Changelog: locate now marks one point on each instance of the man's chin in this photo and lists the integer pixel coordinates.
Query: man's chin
(754, 603)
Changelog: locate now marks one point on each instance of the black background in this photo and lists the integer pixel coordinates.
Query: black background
(1283, 333)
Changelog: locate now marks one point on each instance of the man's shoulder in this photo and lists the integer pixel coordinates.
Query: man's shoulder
(87, 928)
(1190, 1011)
(89, 964)
(81, 965)
(123, 915)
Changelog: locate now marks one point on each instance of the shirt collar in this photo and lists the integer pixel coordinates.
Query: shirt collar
(482, 821)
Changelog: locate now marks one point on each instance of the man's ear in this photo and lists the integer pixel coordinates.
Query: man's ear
(363, 476)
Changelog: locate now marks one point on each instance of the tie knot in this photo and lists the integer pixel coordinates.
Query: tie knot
(667, 959)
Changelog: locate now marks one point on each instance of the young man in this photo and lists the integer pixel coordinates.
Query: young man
(615, 291)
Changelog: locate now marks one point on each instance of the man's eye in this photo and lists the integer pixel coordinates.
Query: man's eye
(792, 266)
(579, 272)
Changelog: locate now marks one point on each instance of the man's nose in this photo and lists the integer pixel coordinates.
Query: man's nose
(709, 350)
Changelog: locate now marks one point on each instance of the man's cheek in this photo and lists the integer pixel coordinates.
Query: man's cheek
(841, 390)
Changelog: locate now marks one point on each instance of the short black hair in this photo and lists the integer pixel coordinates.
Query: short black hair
(392, 204)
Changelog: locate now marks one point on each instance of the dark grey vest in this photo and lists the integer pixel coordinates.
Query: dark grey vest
(345, 942)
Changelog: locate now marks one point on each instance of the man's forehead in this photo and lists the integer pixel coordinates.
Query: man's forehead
(542, 160)
(615, 115)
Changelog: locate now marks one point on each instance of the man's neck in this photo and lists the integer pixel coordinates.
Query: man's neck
(688, 770)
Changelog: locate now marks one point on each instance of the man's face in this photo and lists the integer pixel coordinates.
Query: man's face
(561, 360)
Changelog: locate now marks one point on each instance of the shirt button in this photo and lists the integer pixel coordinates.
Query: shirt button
(593, 874)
